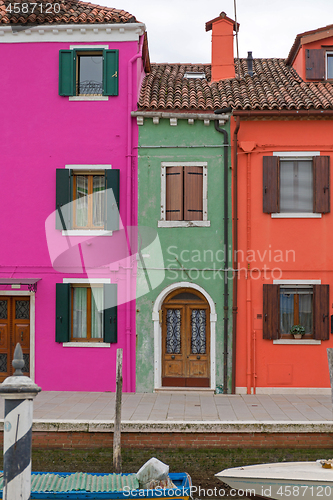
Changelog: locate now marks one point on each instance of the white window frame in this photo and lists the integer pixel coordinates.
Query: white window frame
(328, 53)
(296, 155)
(295, 284)
(87, 232)
(184, 223)
(75, 281)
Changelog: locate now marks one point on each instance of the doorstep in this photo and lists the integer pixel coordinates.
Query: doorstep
(185, 390)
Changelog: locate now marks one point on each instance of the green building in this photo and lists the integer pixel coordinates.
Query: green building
(184, 285)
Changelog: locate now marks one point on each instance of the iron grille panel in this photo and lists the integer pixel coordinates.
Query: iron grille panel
(173, 323)
(3, 309)
(198, 325)
(3, 363)
(90, 88)
(26, 367)
(22, 309)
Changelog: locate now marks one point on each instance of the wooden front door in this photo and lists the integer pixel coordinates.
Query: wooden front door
(14, 328)
(185, 340)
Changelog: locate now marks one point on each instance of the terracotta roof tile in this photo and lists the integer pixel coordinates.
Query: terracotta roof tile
(71, 11)
(274, 85)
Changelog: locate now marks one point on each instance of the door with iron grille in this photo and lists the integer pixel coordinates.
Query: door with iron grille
(14, 328)
(185, 340)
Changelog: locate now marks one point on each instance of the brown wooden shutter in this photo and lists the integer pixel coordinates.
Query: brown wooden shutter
(271, 184)
(271, 311)
(315, 64)
(321, 184)
(193, 193)
(321, 306)
(174, 193)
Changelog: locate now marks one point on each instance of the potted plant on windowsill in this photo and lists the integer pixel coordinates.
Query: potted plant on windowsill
(297, 331)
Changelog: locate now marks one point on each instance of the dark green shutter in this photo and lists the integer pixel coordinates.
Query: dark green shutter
(63, 199)
(112, 201)
(110, 83)
(66, 73)
(110, 314)
(62, 312)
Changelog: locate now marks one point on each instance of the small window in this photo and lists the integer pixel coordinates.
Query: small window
(296, 185)
(296, 309)
(88, 72)
(329, 65)
(89, 201)
(87, 313)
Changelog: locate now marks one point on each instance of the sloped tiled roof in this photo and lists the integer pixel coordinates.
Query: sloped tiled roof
(71, 12)
(274, 86)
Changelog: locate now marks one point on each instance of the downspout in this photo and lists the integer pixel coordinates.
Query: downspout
(129, 215)
(226, 245)
(235, 259)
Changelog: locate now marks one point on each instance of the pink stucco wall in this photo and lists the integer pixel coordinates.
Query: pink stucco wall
(40, 132)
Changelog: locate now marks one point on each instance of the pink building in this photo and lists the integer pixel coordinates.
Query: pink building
(68, 191)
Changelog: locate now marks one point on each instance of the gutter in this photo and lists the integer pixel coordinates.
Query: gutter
(283, 112)
(226, 241)
(235, 259)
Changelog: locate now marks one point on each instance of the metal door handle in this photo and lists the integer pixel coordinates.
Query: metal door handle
(21, 336)
(198, 357)
(173, 356)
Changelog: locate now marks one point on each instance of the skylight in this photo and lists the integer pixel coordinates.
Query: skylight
(195, 74)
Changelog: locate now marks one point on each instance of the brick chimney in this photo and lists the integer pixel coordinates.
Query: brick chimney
(222, 46)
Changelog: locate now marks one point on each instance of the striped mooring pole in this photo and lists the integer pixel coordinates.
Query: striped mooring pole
(18, 391)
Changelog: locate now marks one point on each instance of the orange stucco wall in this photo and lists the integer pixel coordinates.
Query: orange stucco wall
(299, 63)
(222, 50)
(299, 249)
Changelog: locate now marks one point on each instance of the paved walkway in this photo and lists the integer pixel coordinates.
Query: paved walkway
(171, 407)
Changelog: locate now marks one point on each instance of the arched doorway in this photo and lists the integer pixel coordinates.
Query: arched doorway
(185, 339)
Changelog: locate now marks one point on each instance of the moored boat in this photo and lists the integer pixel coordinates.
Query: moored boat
(306, 480)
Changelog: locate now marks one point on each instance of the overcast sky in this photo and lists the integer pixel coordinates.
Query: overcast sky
(176, 28)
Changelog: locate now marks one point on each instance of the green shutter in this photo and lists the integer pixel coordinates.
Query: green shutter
(63, 198)
(66, 73)
(62, 312)
(112, 199)
(110, 83)
(110, 314)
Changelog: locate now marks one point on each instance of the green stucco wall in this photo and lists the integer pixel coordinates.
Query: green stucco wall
(194, 248)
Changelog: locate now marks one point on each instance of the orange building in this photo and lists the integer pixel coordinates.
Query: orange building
(282, 132)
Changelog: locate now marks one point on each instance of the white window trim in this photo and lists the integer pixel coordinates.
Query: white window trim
(297, 341)
(297, 282)
(328, 53)
(296, 154)
(87, 232)
(88, 98)
(88, 167)
(195, 223)
(89, 47)
(92, 281)
(301, 215)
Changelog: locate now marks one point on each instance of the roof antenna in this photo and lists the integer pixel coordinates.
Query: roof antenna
(236, 26)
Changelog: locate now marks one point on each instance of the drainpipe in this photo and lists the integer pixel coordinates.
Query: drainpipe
(226, 241)
(129, 215)
(235, 259)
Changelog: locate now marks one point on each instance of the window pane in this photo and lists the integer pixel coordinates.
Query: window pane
(296, 186)
(80, 313)
(98, 200)
(81, 206)
(329, 65)
(286, 310)
(198, 325)
(90, 75)
(173, 320)
(97, 313)
(305, 311)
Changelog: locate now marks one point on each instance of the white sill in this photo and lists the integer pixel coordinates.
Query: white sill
(183, 223)
(86, 232)
(297, 341)
(88, 98)
(86, 344)
(304, 215)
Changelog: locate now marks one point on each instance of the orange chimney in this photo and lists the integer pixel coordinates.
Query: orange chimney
(222, 46)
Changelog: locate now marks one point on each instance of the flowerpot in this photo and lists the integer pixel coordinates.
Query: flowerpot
(297, 335)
